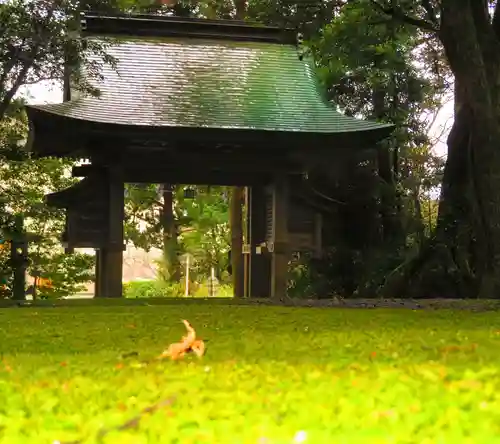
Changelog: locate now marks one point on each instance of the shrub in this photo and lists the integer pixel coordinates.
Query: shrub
(151, 289)
(222, 291)
(161, 289)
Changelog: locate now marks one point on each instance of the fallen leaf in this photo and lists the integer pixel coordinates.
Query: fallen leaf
(458, 348)
(187, 344)
(122, 406)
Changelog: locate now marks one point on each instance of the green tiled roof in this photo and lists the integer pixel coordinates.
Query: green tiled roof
(186, 82)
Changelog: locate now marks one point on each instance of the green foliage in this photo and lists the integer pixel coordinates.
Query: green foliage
(221, 291)
(372, 66)
(67, 273)
(302, 282)
(342, 272)
(37, 42)
(25, 184)
(161, 289)
(363, 52)
(202, 224)
(152, 289)
(430, 215)
(281, 373)
(208, 238)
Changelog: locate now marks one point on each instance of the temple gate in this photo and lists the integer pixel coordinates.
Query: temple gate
(195, 101)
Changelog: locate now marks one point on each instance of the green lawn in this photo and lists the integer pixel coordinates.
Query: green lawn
(271, 375)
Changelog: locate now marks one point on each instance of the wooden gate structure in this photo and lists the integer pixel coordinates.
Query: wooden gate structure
(192, 101)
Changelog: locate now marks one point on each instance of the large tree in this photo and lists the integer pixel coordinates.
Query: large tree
(463, 257)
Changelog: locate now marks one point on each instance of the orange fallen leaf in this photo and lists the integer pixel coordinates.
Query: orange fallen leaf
(188, 343)
(458, 348)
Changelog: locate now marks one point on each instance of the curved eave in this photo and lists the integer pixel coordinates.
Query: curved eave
(52, 134)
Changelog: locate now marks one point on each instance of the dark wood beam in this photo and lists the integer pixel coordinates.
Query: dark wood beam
(241, 159)
(193, 176)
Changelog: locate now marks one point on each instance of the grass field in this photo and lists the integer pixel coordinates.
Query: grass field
(271, 375)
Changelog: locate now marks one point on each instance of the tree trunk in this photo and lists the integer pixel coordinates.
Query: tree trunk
(473, 51)
(463, 258)
(237, 240)
(170, 241)
(240, 8)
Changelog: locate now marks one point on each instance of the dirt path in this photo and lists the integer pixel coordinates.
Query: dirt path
(473, 304)
(409, 304)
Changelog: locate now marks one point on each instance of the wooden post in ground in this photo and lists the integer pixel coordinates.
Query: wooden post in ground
(237, 240)
(280, 253)
(110, 271)
(19, 258)
(260, 259)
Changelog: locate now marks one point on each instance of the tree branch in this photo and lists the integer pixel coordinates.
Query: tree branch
(480, 14)
(41, 79)
(486, 35)
(27, 63)
(465, 56)
(11, 59)
(430, 11)
(9, 95)
(496, 20)
(398, 14)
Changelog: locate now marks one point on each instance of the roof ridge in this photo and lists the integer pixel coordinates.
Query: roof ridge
(149, 25)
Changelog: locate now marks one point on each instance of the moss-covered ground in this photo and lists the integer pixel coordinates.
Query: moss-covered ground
(270, 375)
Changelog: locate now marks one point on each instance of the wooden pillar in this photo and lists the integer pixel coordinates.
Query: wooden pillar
(98, 279)
(260, 264)
(19, 257)
(280, 253)
(110, 258)
(111, 273)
